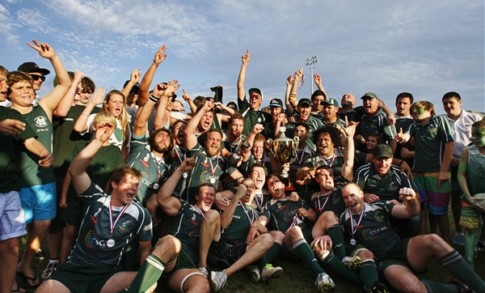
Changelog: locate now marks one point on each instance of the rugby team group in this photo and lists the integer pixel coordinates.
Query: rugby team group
(131, 193)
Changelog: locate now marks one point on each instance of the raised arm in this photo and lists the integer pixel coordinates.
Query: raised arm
(167, 92)
(77, 169)
(348, 166)
(290, 104)
(241, 93)
(411, 205)
(190, 138)
(68, 100)
(134, 78)
(318, 81)
(227, 215)
(168, 203)
(81, 125)
(294, 88)
(146, 81)
(188, 99)
(50, 102)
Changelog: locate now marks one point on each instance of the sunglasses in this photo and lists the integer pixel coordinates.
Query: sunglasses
(37, 77)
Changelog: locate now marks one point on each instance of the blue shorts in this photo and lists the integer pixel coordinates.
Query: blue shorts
(12, 221)
(39, 202)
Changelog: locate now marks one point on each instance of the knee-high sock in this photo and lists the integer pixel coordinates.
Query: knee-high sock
(149, 273)
(461, 270)
(305, 253)
(334, 265)
(368, 273)
(436, 287)
(270, 255)
(335, 232)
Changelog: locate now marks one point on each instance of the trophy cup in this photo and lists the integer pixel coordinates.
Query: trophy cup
(284, 149)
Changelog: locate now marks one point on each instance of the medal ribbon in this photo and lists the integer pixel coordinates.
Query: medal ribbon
(320, 208)
(111, 224)
(352, 221)
(179, 156)
(213, 170)
(251, 219)
(302, 155)
(324, 161)
(199, 211)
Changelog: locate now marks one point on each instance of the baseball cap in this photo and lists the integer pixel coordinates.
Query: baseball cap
(276, 103)
(29, 67)
(304, 101)
(330, 102)
(370, 95)
(255, 90)
(382, 151)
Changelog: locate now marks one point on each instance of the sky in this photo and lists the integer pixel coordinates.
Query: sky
(426, 47)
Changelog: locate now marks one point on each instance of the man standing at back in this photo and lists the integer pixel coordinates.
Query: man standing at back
(250, 110)
(461, 121)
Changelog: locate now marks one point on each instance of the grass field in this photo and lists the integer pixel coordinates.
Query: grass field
(297, 278)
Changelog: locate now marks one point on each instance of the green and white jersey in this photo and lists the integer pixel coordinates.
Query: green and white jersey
(12, 147)
(32, 174)
(178, 156)
(430, 143)
(475, 171)
(387, 187)
(314, 125)
(244, 216)
(252, 117)
(186, 227)
(281, 214)
(206, 170)
(154, 170)
(331, 202)
(373, 230)
(99, 245)
(336, 161)
(372, 124)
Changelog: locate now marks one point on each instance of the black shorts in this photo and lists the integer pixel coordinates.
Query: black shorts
(80, 279)
(224, 253)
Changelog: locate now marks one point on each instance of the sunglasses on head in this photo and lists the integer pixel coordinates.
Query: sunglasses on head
(37, 77)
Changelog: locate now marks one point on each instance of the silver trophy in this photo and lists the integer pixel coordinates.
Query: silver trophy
(284, 149)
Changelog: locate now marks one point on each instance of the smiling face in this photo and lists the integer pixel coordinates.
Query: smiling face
(21, 93)
(353, 197)
(330, 112)
(213, 143)
(258, 176)
(276, 188)
(382, 165)
(38, 80)
(115, 104)
(255, 100)
(317, 103)
(161, 141)
(371, 105)
(304, 110)
(178, 133)
(325, 145)
(258, 149)
(125, 190)
(84, 94)
(452, 106)
(206, 121)
(205, 198)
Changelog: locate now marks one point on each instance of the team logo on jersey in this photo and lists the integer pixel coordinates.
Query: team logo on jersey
(91, 240)
(40, 121)
(125, 227)
(380, 215)
(205, 177)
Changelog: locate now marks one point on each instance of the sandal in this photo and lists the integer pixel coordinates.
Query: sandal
(30, 282)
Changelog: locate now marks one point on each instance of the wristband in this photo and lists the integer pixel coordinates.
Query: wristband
(154, 98)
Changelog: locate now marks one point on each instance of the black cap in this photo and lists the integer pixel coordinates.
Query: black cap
(276, 103)
(29, 67)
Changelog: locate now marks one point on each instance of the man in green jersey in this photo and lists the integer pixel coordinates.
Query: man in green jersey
(368, 225)
(111, 222)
